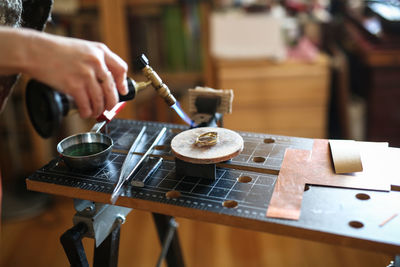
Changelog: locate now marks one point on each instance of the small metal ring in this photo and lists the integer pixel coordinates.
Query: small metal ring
(207, 139)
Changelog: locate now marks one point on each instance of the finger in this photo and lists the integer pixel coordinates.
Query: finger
(110, 94)
(106, 79)
(96, 95)
(82, 102)
(118, 68)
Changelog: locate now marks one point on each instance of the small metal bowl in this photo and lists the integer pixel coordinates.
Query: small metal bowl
(85, 151)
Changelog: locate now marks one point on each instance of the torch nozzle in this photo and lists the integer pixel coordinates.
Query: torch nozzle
(161, 88)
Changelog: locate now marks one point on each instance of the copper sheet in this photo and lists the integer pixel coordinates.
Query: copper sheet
(301, 167)
(288, 193)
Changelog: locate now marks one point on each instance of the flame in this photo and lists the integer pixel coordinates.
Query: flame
(182, 114)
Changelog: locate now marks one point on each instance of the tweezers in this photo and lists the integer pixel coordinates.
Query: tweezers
(125, 165)
(117, 189)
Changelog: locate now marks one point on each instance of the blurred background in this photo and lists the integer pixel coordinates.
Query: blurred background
(308, 68)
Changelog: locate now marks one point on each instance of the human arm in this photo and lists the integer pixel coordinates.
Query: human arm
(87, 71)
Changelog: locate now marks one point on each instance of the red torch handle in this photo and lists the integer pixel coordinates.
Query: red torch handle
(108, 115)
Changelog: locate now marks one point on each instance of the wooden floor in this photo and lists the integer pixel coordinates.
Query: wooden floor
(35, 242)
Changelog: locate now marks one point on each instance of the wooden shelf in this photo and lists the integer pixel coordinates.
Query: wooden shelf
(150, 2)
(115, 31)
(95, 3)
(88, 4)
(173, 77)
(183, 77)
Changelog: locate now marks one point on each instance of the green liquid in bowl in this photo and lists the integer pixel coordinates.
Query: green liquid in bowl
(85, 149)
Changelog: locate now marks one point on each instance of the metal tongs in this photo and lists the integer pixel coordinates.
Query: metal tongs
(125, 172)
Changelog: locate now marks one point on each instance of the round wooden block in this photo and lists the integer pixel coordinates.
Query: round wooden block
(229, 145)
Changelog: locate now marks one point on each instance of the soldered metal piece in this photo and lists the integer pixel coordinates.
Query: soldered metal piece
(207, 139)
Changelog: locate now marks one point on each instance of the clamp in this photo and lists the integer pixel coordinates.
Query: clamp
(102, 222)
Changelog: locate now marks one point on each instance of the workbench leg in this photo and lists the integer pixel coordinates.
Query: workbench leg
(71, 241)
(106, 255)
(174, 255)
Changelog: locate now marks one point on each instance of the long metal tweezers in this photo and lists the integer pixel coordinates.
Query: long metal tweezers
(128, 158)
(122, 176)
(117, 189)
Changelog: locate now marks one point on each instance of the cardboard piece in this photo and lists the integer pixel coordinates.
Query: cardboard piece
(346, 156)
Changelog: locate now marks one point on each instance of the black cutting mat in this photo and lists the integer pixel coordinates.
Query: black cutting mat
(326, 210)
(253, 197)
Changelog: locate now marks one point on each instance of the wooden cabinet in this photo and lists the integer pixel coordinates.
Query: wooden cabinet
(287, 98)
